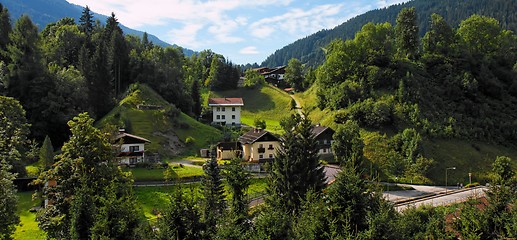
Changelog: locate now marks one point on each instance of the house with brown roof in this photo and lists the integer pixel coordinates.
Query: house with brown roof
(259, 145)
(323, 136)
(226, 111)
(132, 148)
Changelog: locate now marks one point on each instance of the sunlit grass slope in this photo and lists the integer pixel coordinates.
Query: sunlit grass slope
(267, 103)
(165, 126)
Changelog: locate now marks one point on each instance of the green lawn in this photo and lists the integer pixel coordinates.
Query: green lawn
(156, 174)
(28, 227)
(268, 103)
(157, 198)
(473, 157)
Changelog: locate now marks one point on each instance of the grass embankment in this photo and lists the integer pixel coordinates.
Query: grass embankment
(267, 103)
(309, 103)
(156, 174)
(28, 227)
(155, 199)
(468, 157)
(166, 132)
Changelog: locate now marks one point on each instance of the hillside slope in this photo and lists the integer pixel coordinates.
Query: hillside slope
(43, 12)
(266, 103)
(309, 49)
(162, 123)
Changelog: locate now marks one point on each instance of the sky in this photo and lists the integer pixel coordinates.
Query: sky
(244, 31)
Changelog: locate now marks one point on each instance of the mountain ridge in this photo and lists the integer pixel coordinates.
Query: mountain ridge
(309, 49)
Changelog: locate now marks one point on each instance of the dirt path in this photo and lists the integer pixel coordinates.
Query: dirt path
(298, 105)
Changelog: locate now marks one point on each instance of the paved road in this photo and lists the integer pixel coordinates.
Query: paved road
(433, 196)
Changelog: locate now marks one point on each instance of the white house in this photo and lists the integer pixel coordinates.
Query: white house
(132, 148)
(226, 111)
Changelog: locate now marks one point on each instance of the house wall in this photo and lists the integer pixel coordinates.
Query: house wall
(132, 159)
(227, 154)
(126, 147)
(251, 151)
(225, 115)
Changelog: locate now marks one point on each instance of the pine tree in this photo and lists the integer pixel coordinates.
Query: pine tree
(296, 168)
(238, 181)
(406, 32)
(46, 155)
(86, 22)
(213, 194)
(5, 30)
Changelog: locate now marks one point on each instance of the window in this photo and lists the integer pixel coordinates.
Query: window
(270, 155)
(222, 109)
(223, 116)
(134, 148)
(261, 156)
(233, 109)
(218, 109)
(233, 116)
(270, 147)
(133, 160)
(261, 145)
(324, 150)
(324, 141)
(218, 117)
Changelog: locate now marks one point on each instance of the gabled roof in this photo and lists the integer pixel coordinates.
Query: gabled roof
(225, 102)
(229, 146)
(257, 135)
(317, 130)
(280, 70)
(131, 137)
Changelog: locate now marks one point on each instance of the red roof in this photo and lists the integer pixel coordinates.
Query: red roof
(225, 102)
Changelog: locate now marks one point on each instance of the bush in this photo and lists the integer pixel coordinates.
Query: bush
(144, 165)
(190, 140)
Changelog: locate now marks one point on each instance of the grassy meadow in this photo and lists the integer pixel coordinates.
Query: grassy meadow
(267, 103)
(28, 228)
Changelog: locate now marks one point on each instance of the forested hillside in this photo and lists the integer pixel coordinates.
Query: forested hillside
(43, 12)
(309, 49)
(75, 65)
(449, 84)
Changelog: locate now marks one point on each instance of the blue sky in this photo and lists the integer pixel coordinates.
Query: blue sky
(245, 31)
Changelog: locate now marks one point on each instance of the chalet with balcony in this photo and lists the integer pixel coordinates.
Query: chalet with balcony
(323, 136)
(226, 111)
(259, 145)
(132, 148)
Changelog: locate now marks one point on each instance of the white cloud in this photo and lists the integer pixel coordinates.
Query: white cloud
(386, 3)
(298, 21)
(209, 15)
(251, 50)
(186, 36)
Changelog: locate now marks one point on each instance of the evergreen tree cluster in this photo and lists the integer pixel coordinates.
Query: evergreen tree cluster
(79, 65)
